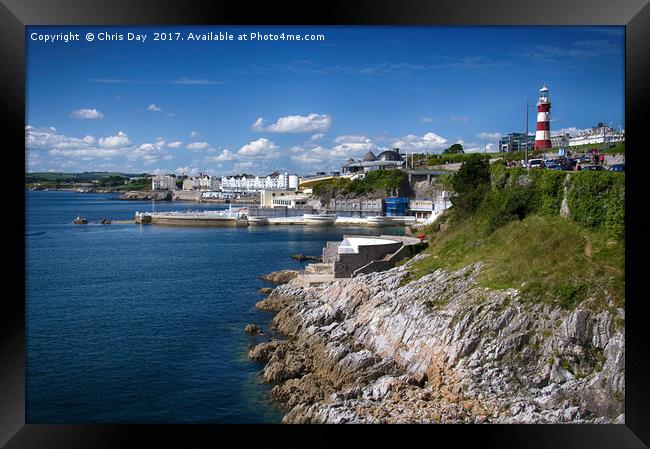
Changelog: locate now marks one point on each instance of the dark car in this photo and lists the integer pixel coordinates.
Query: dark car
(617, 167)
(594, 167)
(553, 166)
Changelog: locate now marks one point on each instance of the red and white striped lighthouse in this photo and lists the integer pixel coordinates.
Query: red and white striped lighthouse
(543, 132)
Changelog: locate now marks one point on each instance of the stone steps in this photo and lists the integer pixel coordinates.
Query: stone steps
(319, 268)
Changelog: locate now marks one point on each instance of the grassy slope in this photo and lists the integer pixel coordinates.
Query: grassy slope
(549, 259)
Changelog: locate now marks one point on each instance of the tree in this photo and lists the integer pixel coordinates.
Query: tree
(471, 183)
(454, 149)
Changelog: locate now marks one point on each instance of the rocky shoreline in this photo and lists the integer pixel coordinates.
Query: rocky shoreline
(440, 349)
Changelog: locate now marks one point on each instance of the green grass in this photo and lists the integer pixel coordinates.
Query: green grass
(542, 256)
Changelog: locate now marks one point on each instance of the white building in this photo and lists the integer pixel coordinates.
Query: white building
(207, 182)
(560, 140)
(202, 182)
(599, 134)
(290, 201)
(268, 195)
(273, 181)
(191, 184)
(163, 182)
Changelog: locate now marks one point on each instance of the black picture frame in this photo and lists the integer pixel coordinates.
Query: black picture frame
(16, 14)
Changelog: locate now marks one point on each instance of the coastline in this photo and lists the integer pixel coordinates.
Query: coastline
(441, 349)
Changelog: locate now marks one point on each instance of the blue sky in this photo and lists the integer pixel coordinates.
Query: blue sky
(226, 107)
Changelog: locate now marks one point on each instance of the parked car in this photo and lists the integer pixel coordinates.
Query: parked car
(568, 165)
(594, 167)
(553, 166)
(617, 167)
(536, 163)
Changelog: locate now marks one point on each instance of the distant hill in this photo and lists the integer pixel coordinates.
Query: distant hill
(77, 177)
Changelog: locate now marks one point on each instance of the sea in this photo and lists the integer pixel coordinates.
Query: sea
(131, 323)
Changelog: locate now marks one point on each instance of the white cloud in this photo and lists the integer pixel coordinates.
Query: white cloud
(244, 165)
(197, 146)
(317, 136)
(296, 124)
(429, 142)
(92, 114)
(259, 124)
(225, 155)
(194, 134)
(571, 130)
(154, 108)
(119, 140)
(186, 170)
(259, 148)
(352, 139)
(428, 120)
(84, 153)
(489, 136)
(175, 144)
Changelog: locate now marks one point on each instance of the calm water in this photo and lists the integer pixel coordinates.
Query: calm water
(129, 323)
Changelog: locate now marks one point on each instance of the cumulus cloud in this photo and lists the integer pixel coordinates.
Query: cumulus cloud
(571, 130)
(194, 134)
(225, 155)
(119, 140)
(244, 165)
(197, 146)
(259, 124)
(154, 108)
(489, 136)
(428, 142)
(295, 124)
(186, 170)
(92, 114)
(84, 153)
(175, 144)
(260, 148)
(317, 136)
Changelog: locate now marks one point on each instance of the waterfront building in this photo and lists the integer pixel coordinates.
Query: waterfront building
(273, 181)
(290, 201)
(191, 184)
(163, 182)
(207, 182)
(516, 142)
(396, 206)
(389, 159)
(268, 195)
(599, 134)
(420, 209)
(430, 209)
(543, 131)
(356, 207)
(560, 140)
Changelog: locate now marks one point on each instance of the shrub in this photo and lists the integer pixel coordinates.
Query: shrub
(597, 199)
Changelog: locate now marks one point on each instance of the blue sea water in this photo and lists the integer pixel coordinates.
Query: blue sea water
(144, 324)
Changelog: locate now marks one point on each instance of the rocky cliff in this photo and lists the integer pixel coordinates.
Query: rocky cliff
(378, 348)
(142, 195)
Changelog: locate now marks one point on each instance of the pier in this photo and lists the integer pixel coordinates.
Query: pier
(238, 218)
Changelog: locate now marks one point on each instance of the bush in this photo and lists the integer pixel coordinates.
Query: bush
(597, 199)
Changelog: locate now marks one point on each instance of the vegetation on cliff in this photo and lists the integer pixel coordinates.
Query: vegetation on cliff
(557, 237)
(386, 182)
